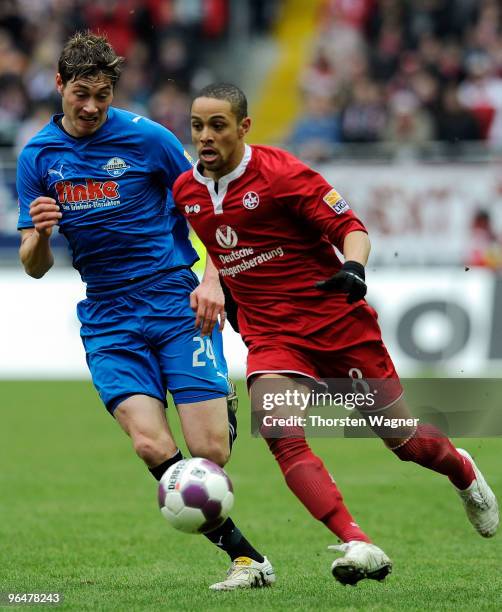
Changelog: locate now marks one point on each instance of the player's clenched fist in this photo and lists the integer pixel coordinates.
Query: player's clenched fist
(350, 279)
(45, 214)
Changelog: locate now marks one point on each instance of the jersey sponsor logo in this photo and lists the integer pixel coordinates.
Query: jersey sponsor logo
(335, 201)
(226, 237)
(59, 172)
(251, 200)
(91, 191)
(192, 209)
(236, 255)
(115, 166)
(248, 264)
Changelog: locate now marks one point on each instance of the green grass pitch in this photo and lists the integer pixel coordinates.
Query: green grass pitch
(78, 515)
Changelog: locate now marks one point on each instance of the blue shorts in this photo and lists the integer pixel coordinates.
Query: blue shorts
(143, 341)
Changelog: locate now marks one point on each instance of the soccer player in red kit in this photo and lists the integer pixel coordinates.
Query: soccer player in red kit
(269, 223)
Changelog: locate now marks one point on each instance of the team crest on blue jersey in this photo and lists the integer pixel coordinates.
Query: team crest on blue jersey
(116, 166)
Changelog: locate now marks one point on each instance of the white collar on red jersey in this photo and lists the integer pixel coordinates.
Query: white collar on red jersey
(217, 198)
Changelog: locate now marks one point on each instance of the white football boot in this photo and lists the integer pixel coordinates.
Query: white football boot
(480, 502)
(361, 560)
(245, 573)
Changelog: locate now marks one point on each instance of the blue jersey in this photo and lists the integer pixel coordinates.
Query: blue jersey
(113, 188)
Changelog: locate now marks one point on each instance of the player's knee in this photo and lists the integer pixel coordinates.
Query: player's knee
(152, 451)
(220, 456)
(216, 452)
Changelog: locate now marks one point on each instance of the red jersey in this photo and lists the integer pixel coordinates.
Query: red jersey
(269, 227)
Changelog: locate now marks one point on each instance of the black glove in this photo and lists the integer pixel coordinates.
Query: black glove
(349, 279)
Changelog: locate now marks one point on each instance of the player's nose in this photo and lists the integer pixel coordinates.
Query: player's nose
(90, 107)
(206, 135)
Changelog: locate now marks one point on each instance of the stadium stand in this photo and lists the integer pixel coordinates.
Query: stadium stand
(172, 47)
(404, 72)
(372, 80)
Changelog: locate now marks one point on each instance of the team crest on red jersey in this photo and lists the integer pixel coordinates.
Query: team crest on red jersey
(251, 200)
(226, 237)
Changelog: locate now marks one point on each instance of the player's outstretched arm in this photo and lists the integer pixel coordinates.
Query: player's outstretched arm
(35, 251)
(208, 301)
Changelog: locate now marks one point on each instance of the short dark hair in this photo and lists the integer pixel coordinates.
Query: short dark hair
(230, 93)
(88, 55)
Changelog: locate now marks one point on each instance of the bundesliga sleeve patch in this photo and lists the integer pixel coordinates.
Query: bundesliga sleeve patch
(335, 201)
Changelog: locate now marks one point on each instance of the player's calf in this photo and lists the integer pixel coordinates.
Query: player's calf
(232, 405)
(310, 481)
(429, 448)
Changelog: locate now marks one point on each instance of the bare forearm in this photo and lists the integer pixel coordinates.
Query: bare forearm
(35, 251)
(356, 247)
(210, 271)
(36, 255)
(208, 301)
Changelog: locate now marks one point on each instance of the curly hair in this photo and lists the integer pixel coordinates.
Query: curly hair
(88, 55)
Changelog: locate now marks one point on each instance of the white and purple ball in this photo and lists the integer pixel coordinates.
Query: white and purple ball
(195, 495)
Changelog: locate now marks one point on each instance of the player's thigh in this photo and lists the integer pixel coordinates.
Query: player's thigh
(280, 362)
(279, 404)
(368, 371)
(193, 367)
(119, 358)
(144, 419)
(205, 429)
(353, 358)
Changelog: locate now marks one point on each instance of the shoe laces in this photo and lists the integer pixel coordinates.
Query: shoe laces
(237, 567)
(476, 498)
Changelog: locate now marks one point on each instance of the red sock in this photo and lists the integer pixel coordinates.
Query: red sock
(431, 449)
(309, 480)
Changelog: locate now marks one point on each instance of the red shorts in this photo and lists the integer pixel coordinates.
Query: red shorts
(351, 349)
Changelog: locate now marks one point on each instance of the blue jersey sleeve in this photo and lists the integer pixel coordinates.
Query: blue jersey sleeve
(29, 186)
(167, 155)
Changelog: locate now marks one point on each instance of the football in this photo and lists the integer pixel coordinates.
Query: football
(195, 495)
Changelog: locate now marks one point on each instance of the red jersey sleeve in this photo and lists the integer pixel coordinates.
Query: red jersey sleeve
(305, 194)
(178, 186)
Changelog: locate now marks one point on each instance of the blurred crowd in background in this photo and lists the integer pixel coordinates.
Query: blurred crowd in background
(397, 72)
(402, 71)
(168, 45)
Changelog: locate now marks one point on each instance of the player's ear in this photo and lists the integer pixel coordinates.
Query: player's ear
(244, 126)
(59, 83)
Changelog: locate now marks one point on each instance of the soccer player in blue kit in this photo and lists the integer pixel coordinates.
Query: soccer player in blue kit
(103, 176)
